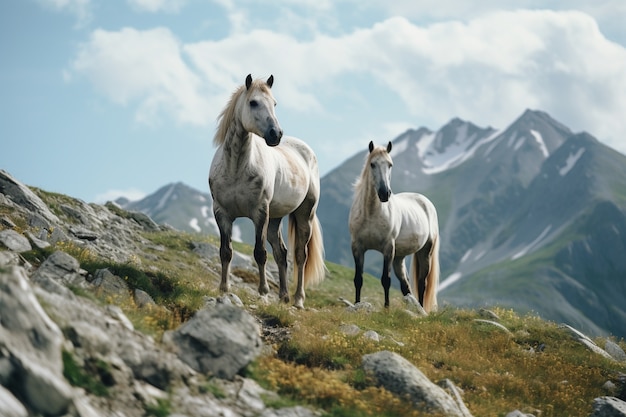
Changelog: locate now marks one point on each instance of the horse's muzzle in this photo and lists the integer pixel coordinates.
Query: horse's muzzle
(383, 194)
(273, 136)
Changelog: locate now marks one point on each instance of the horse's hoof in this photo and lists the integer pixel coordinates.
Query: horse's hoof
(284, 298)
(264, 289)
(224, 288)
(361, 306)
(299, 304)
(410, 299)
(414, 304)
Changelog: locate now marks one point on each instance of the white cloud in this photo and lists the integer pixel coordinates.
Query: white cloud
(146, 67)
(153, 6)
(131, 194)
(491, 68)
(487, 69)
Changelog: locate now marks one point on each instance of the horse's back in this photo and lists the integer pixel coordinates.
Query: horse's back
(408, 202)
(296, 178)
(419, 222)
(301, 148)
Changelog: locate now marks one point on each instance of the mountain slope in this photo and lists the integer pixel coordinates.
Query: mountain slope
(515, 210)
(186, 209)
(178, 205)
(561, 253)
(531, 216)
(92, 325)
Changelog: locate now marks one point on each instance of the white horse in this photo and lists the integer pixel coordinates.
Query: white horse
(260, 174)
(396, 225)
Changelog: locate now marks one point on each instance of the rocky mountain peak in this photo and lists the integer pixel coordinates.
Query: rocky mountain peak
(538, 129)
(453, 144)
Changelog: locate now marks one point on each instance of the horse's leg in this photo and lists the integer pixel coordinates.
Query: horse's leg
(303, 234)
(385, 279)
(422, 270)
(225, 225)
(274, 236)
(388, 255)
(358, 255)
(400, 269)
(260, 254)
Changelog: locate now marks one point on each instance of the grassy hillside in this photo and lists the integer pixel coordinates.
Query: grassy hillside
(535, 368)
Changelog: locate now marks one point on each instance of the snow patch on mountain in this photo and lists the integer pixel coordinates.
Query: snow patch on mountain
(466, 256)
(571, 161)
(540, 142)
(193, 223)
(480, 255)
(460, 150)
(493, 143)
(452, 278)
(515, 141)
(532, 244)
(165, 198)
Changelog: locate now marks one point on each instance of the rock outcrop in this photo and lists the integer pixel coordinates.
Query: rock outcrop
(220, 341)
(399, 376)
(67, 355)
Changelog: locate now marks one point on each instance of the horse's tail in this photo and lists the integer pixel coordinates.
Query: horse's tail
(314, 269)
(432, 279)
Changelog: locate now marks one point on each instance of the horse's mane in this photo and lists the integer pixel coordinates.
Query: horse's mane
(362, 181)
(227, 116)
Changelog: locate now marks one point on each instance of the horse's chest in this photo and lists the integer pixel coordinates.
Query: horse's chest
(241, 199)
(374, 234)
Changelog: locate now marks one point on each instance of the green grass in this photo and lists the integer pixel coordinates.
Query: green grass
(496, 370)
(93, 376)
(316, 364)
(213, 388)
(160, 409)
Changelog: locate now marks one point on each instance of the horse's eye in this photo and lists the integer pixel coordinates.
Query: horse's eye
(253, 103)
(372, 165)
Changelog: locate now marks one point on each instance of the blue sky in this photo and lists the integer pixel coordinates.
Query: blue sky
(104, 98)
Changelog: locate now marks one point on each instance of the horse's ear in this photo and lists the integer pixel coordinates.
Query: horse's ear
(371, 146)
(270, 81)
(389, 147)
(248, 81)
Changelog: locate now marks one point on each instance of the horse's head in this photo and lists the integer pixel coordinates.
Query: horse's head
(257, 111)
(380, 165)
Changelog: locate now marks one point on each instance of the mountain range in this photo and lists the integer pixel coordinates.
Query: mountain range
(532, 216)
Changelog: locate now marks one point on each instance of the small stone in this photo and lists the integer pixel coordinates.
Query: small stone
(371, 335)
(615, 351)
(361, 306)
(142, 298)
(350, 329)
(483, 312)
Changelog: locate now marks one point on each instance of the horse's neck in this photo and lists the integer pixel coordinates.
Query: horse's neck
(237, 146)
(369, 201)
